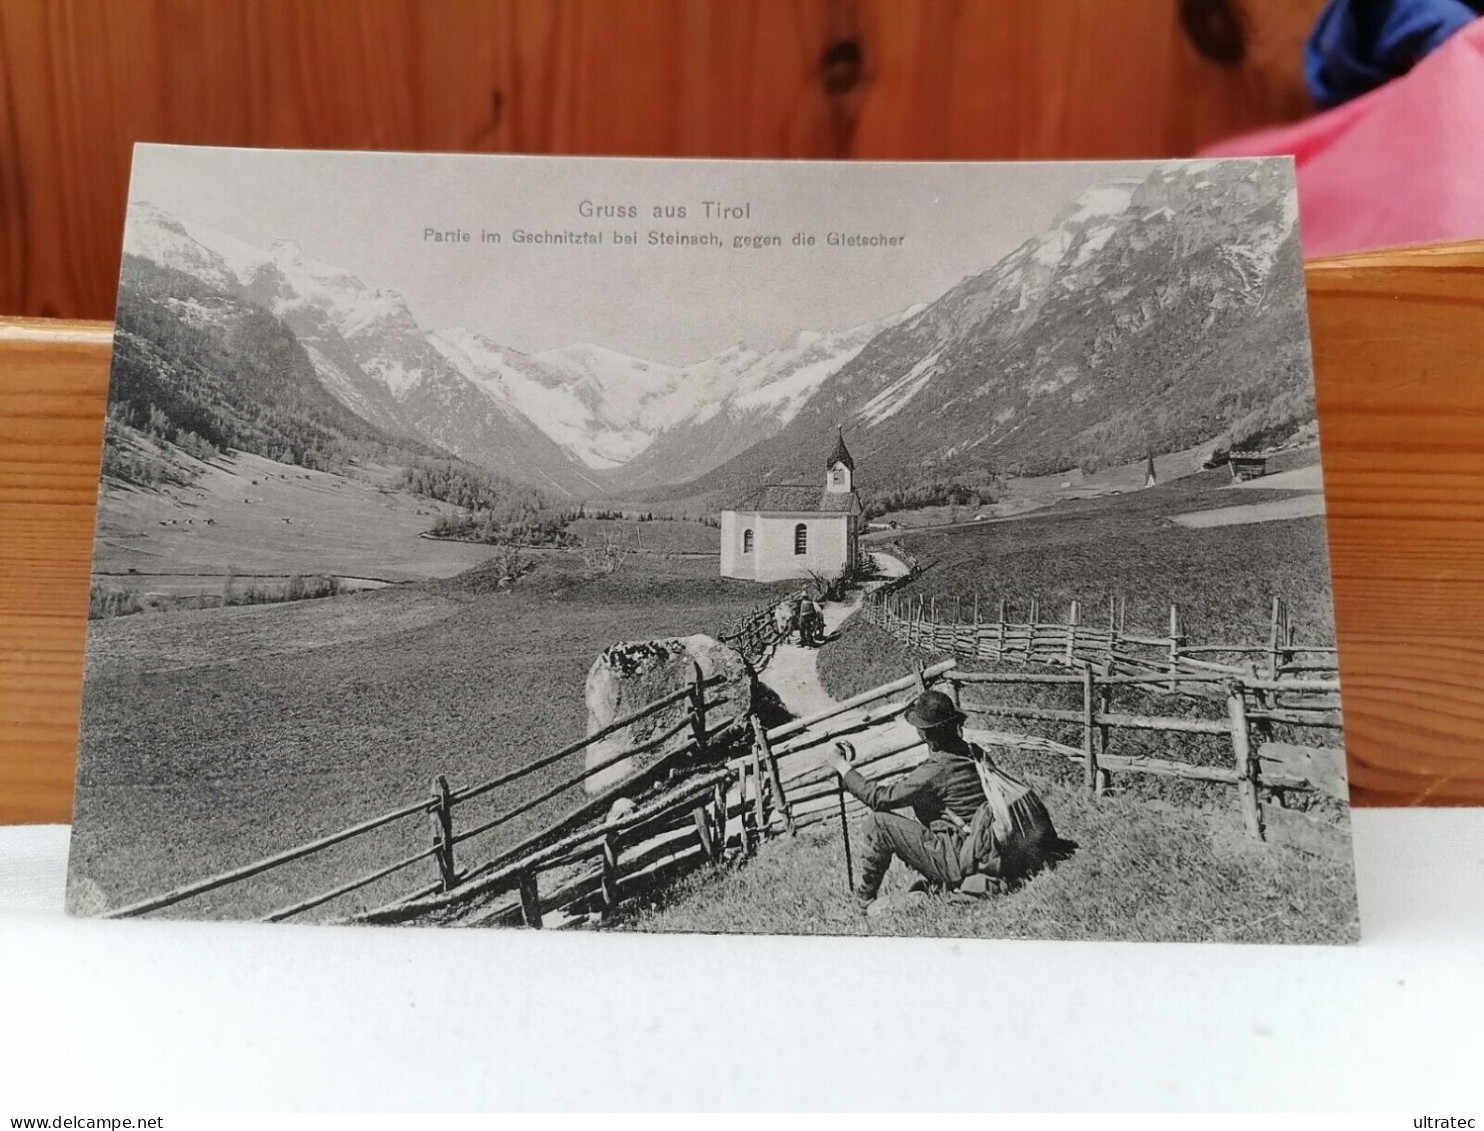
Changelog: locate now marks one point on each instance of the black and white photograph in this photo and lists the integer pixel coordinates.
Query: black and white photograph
(714, 546)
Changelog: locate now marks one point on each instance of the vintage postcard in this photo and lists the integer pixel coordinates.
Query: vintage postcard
(714, 546)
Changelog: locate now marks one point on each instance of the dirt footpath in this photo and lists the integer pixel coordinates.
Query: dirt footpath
(793, 670)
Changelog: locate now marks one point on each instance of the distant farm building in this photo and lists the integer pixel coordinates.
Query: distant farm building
(1246, 466)
(790, 530)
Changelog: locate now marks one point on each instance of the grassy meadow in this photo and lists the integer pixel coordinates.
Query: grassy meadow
(214, 737)
(1223, 578)
(1143, 871)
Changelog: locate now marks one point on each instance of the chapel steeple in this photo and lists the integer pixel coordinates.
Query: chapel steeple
(839, 467)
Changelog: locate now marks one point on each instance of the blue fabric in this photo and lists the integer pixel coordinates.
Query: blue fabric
(1358, 45)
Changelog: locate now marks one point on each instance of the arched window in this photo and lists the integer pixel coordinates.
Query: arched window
(747, 541)
(801, 539)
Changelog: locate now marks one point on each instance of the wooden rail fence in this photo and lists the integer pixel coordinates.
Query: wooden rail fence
(595, 856)
(755, 632)
(440, 809)
(974, 630)
(1255, 762)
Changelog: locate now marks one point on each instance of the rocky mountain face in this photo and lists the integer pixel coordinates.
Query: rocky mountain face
(1152, 315)
(197, 365)
(366, 349)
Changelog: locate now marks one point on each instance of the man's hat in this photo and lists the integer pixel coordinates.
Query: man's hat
(933, 709)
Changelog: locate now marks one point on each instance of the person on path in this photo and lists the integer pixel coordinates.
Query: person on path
(811, 622)
(946, 839)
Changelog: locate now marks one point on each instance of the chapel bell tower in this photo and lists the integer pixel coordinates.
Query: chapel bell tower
(839, 468)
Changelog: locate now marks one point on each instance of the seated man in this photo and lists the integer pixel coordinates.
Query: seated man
(942, 840)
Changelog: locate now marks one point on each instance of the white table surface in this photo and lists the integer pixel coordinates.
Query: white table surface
(156, 1016)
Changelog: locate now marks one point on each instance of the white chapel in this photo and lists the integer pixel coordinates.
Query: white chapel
(789, 530)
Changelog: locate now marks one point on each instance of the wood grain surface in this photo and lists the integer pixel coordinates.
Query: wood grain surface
(82, 80)
(1398, 339)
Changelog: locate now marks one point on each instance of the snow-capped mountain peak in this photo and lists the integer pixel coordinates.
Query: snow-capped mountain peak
(604, 408)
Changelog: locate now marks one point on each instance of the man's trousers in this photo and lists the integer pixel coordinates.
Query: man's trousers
(888, 835)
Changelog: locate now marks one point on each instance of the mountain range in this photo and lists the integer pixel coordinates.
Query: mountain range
(1152, 314)
(581, 419)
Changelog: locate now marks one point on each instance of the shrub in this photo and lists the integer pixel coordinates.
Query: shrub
(104, 602)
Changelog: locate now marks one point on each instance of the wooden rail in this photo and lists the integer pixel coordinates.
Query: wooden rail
(1168, 661)
(1253, 763)
(1097, 723)
(755, 632)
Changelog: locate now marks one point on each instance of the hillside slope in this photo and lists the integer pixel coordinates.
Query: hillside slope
(1152, 315)
(364, 346)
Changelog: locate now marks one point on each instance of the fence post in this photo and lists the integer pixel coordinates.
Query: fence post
(1266, 701)
(1289, 633)
(974, 651)
(703, 831)
(1089, 733)
(760, 738)
(719, 813)
(610, 871)
(1176, 638)
(530, 899)
(1112, 633)
(1236, 710)
(1273, 638)
(698, 708)
(442, 818)
(1074, 617)
(760, 809)
(743, 837)
(1105, 704)
(999, 653)
(921, 682)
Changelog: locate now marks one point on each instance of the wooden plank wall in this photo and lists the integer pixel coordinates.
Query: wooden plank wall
(82, 80)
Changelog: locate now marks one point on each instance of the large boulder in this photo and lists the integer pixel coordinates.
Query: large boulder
(628, 677)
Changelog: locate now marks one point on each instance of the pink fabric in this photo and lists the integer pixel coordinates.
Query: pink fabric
(1401, 165)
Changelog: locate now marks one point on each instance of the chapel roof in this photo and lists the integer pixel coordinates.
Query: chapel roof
(798, 497)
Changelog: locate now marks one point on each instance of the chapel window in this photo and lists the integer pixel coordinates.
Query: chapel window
(801, 539)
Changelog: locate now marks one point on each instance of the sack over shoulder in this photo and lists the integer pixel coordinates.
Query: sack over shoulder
(1011, 835)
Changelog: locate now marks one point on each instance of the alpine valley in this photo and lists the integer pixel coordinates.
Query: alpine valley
(1121, 330)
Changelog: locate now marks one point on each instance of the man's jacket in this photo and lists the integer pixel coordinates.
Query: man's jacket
(942, 781)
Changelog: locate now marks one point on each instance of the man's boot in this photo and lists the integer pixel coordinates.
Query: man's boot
(979, 886)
